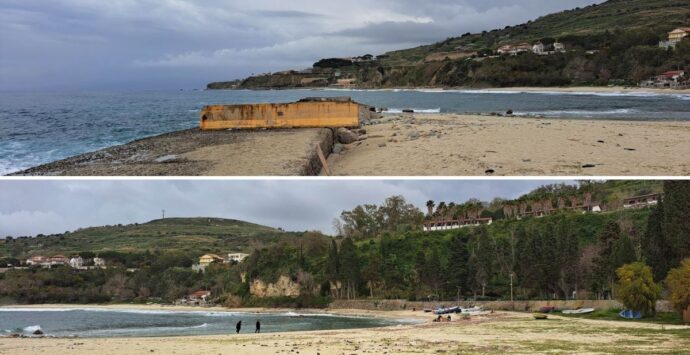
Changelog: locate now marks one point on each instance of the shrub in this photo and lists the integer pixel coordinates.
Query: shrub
(678, 284)
(637, 289)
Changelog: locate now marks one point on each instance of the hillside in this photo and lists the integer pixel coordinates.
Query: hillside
(189, 235)
(614, 43)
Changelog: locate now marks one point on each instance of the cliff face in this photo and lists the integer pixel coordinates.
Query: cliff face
(284, 287)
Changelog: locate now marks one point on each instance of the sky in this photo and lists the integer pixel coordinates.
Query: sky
(184, 44)
(31, 207)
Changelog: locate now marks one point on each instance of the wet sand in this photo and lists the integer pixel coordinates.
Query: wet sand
(474, 145)
(499, 332)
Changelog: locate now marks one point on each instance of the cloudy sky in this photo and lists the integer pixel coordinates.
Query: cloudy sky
(155, 44)
(38, 206)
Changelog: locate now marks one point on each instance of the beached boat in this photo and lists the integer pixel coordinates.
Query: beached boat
(579, 311)
(540, 316)
(446, 310)
(628, 314)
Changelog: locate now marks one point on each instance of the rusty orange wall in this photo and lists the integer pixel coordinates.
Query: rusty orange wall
(294, 115)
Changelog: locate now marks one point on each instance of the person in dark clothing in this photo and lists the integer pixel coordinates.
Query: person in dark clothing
(258, 326)
(238, 327)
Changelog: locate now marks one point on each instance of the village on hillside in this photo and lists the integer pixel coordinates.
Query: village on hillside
(452, 216)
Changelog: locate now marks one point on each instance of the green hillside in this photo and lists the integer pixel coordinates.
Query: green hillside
(189, 235)
(658, 16)
(614, 43)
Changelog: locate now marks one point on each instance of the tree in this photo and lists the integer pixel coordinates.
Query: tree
(636, 288)
(676, 226)
(605, 268)
(333, 267)
(456, 272)
(349, 268)
(430, 207)
(678, 284)
(654, 244)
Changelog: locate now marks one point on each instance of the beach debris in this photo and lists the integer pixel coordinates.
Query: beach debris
(589, 166)
(414, 135)
(407, 110)
(490, 171)
(345, 136)
(166, 158)
(630, 149)
(601, 141)
(382, 145)
(509, 113)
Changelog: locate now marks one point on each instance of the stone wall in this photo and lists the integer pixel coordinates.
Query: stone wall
(395, 305)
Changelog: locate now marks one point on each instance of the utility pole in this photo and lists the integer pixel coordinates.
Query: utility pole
(458, 295)
(512, 301)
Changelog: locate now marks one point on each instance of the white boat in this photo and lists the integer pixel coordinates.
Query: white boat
(579, 311)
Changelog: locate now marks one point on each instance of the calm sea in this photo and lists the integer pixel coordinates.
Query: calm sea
(147, 323)
(37, 128)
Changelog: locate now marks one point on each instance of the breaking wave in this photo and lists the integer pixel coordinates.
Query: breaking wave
(578, 113)
(416, 110)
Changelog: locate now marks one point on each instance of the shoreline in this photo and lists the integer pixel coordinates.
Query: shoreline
(505, 332)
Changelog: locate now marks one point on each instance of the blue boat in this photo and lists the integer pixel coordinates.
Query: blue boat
(628, 314)
(445, 310)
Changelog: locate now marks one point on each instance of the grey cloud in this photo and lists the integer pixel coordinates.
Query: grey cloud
(102, 44)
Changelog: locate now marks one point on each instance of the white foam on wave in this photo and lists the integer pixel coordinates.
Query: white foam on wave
(31, 329)
(416, 110)
(585, 113)
(144, 329)
(508, 91)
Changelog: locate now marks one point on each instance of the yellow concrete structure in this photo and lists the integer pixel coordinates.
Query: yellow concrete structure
(307, 113)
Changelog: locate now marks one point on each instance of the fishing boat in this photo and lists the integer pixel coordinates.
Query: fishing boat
(579, 311)
(446, 310)
(540, 316)
(628, 314)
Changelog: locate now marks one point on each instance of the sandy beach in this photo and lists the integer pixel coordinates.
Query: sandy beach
(498, 332)
(474, 145)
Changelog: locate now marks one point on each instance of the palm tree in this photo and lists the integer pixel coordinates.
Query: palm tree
(430, 206)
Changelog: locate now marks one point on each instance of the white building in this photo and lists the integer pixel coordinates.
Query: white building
(98, 262)
(559, 47)
(236, 257)
(76, 262)
(538, 48)
(434, 226)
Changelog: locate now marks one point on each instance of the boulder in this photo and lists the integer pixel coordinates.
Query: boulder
(345, 136)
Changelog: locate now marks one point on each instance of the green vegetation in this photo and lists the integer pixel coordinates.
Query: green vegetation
(636, 288)
(193, 236)
(385, 255)
(614, 43)
(678, 284)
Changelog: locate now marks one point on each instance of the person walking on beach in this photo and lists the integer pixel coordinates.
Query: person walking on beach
(258, 326)
(238, 327)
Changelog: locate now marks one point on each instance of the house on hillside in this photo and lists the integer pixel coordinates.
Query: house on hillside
(674, 37)
(99, 263)
(76, 262)
(198, 298)
(236, 258)
(38, 260)
(671, 79)
(559, 47)
(505, 49)
(643, 201)
(208, 259)
(442, 225)
(538, 48)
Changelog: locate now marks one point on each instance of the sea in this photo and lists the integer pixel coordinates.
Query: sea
(105, 322)
(41, 127)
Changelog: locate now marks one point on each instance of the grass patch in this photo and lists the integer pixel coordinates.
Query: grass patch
(612, 314)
